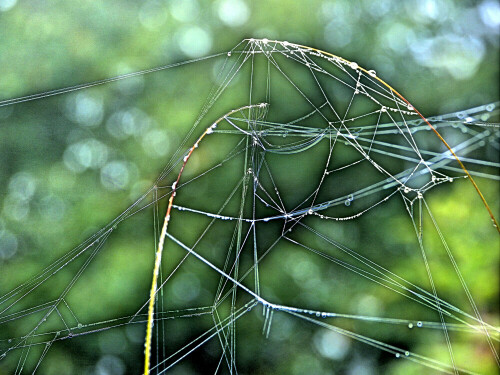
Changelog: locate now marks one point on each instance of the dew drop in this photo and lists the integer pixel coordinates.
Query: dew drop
(410, 107)
(490, 107)
(354, 65)
(310, 212)
(407, 353)
(347, 202)
(318, 314)
(397, 355)
(324, 315)
(372, 72)
(350, 197)
(419, 324)
(410, 325)
(229, 53)
(80, 325)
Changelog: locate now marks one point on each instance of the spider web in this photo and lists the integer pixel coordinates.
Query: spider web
(272, 196)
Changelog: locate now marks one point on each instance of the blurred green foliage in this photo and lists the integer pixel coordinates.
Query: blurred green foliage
(441, 54)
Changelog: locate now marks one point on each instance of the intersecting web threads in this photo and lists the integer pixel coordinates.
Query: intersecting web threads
(313, 144)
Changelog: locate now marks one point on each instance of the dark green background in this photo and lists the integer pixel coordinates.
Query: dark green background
(441, 55)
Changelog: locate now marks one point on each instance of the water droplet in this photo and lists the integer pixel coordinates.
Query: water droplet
(354, 65)
(383, 109)
(347, 202)
(350, 197)
(324, 315)
(410, 325)
(372, 72)
(419, 324)
(407, 353)
(229, 53)
(410, 107)
(80, 325)
(318, 314)
(310, 212)
(406, 189)
(490, 107)
(397, 355)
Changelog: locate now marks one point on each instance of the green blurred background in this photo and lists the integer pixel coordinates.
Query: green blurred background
(442, 55)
